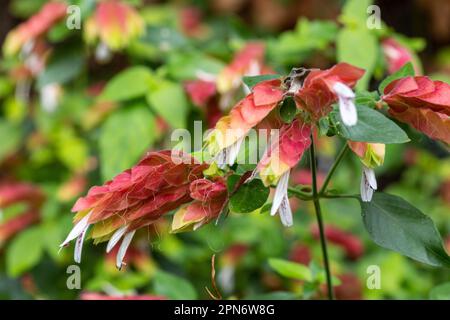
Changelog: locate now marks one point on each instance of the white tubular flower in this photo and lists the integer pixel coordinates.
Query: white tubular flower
(103, 53)
(347, 108)
(123, 248)
(50, 96)
(280, 202)
(229, 155)
(368, 184)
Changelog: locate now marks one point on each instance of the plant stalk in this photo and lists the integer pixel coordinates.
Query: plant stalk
(318, 210)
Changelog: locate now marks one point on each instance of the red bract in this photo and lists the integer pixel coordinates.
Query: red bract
(280, 157)
(249, 61)
(300, 254)
(351, 244)
(115, 23)
(14, 225)
(350, 287)
(38, 24)
(13, 192)
(200, 91)
(285, 152)
(209, 200)
(134, 199)
(318, 94)
(397, 55)
(422, 103)
(245, 115)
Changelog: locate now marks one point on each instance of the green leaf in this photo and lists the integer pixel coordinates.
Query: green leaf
(249, 197)
(288, 110)
(293, 47)
(358, 47)
(173, 287)
(441, 292)
(185, 66)
(254, 80)
(291, 269)
(406, 70)
(124, 138)
(131, 83)
(367, 98)
(169, 101)
(11, 135)
(372, 126)
(354, 13)
(64, 66)
(395, 224)
(24, 252)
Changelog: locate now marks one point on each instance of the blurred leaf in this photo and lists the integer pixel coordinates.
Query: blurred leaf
(292, 47)
(254, 80)
(11, 136)
(25, 8)
(72, 150)
(354, 13)
(441, 292)
(249, 197)
(168, 100)
(131, 83)
(187, 65)
(124, 137)
(6, 87)
(291, 269)
(372, 126)
(395, 224)
(406, 70)
(64, 66)
(173, 287)
(24, 252)
(363, 55)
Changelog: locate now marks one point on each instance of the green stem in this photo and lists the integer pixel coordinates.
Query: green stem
(323, 242)
(333, 169)
(300, 194)
(339, 196)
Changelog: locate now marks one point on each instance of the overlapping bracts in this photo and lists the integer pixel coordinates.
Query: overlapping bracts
(285, 152)
(318, 92)
(135, 198)
(34, 27)
(245, 115)
(115, 24)
(209, 201)
(422, 103)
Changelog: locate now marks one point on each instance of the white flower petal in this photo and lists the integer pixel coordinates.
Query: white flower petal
(370, 176)
(233, 151)
(115, 238)
(343, 91)
(102, 53)
(366, 189)
(77, 230)
(123, 248)
(79, 245)
(348, 112)
(347, 107)
(280, 193)
(286, 212)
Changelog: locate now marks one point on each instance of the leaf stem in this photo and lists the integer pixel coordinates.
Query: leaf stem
(318, 210)
(333, 169)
